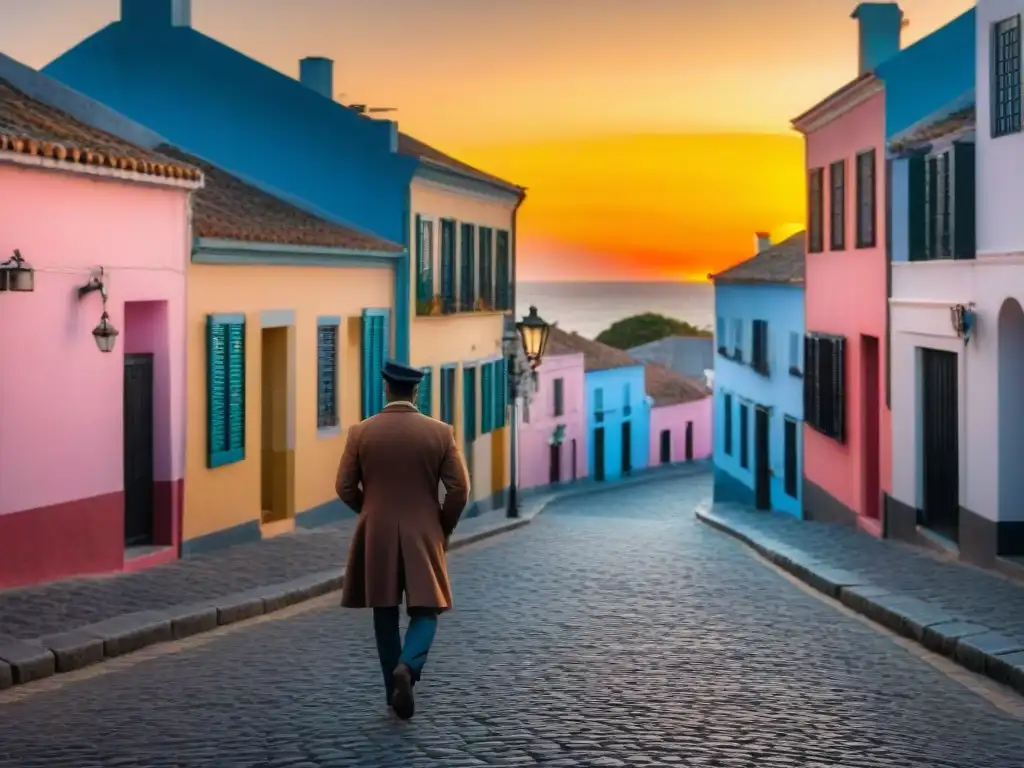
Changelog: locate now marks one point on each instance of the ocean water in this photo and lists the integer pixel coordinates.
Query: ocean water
(589, 308)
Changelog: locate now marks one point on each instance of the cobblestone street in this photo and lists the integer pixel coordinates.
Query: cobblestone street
(615, 630)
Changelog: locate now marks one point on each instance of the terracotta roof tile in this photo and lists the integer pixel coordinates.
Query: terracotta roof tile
(962, 119)
(667, 387)
(407, 145)
(596, 356)
(781, 263)
(230, 209)
(32, 127)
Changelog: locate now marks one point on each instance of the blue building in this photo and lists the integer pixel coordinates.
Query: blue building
(617, 407)
(759, 388)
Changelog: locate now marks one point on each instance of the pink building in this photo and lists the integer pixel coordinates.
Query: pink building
(847, 464)
(91, 424)
(681, 423)
(553, 426)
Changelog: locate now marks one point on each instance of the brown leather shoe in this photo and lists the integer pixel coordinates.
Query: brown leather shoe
(402, 700)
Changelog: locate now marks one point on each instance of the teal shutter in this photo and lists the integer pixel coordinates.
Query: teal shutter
(503, 278)
(469, 405)
(376, 342)
(448, 265)
(486, 287)
(424, 260)
(425, 395)
(917, 209)
(467, 270)
(486, 398)
(327, 375)
(964, 242)
(225, 368)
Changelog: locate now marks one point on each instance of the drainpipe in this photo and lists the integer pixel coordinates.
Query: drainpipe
(512, 503)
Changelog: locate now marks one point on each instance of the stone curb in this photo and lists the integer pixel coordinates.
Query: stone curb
(971, 645)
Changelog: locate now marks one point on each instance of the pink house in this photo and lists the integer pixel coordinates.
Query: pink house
(681, 424)
(91, 423)
(847, 457)
(553, 425)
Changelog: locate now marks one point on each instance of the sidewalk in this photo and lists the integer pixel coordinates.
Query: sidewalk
(973, 616)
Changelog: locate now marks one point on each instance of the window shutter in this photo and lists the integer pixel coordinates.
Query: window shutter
(816, 211)
(376, 342)
(425, 394)
(486, 255)
(225, 342)
(838, 424)
(964, 244)
(486, 398)
(469, 405)
(326, 375)
(236, 386)
(502, 281)
(501, 393)
(812, 379)
(467, 273)
(424, 261)
(917, 209)
(448, 264)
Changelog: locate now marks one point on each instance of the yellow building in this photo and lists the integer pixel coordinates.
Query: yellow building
(288, 315)
(461, 296)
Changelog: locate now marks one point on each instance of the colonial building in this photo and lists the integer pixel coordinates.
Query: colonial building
(680, 427)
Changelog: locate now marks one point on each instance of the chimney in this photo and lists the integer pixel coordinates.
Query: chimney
(159, 13)
(762, 242)
(317, 74)
(881, 25)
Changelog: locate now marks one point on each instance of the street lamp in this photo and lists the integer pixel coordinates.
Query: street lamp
(530, 336)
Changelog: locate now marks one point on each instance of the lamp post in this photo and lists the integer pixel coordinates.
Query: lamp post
(531, 336)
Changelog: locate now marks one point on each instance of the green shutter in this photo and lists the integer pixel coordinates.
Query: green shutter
(425, 398)
(467, 271)
(486, 398)
(917, 209)
(424, 259)
(501, 393)
(376, 342)
(326, 374)
(486, 255)
(502, 280)
(469, 405)
(448, 265)
(225, 368)
(964, 244)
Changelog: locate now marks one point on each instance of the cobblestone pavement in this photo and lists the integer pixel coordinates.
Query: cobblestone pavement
(969, 593)
(613, 631)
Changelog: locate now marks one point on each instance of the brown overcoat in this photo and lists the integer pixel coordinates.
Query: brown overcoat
(389, 475)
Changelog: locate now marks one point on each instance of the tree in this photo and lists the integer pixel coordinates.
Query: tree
(641, 329)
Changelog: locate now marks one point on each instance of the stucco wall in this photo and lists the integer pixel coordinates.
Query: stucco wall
(613, 384)
(674, 418)
(834, 306)
(535, 434)
(227, 496)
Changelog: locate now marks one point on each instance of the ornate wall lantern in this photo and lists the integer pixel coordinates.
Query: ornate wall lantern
(104, 334)
(962, 318)
(17, 275)
(533, 332)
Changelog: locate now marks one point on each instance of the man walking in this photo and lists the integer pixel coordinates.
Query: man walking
(389, 475)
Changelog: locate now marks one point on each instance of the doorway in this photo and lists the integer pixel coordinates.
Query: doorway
(599, 454)
(627, 447)
(666, 446)
(870, 449)
(762, 465)
(138, 450)
(555, 464)
(275, 468)
(940, 455)
(689, 441)
(574, 472)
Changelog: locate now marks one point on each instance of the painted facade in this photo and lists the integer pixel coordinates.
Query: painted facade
(847, 436)
(680, 427)
(286, 332)
(233, 111)
(553, 424)
(92, 444)
(759, 379)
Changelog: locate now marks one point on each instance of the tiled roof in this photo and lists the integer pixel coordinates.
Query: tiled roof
(407, 145)
(960, 120)
(596, 356)
(781, 263)
(667, 387)
(31, 127)
(687, 355)
(230, 209)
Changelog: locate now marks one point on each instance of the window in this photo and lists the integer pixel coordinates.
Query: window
(225, 389)
(759, 353)
(790, 472)
(327, 371)
(727, 423)
(941, 219)
(1005, 77)
(824, 384)
(469, 406)
(559, 397)
(447, 266)
(448, 394)
(425, 393)
(503, 272)
(737, 340)
(467, 271)
(599, 404)
(500, 393)
(424, 265)
(485, 289)
(486, 398)
(795, 365)
(376, 343)
(744, 436)
(721, 339)
(866, 207)
(816, 211)
(627, 399)
(837, 205)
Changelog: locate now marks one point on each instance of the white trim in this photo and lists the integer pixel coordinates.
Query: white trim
(497, 195)
(846, 102)
(927, 302)
(99, 171)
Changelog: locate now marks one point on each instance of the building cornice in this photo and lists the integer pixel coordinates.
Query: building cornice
(832, 107)
(219, 251)
(442, 175)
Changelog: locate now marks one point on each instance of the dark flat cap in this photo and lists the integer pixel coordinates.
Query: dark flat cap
(400, 373)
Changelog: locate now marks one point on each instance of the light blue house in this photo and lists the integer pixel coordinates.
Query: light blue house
(759, 388)
(617, 407)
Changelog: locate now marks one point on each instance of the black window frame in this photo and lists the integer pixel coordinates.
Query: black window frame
(759, 347)
(744, 436)
(816, 210)
(837, 205)
(791, 454)
(867, 199)
(727, 423)
(1005, 77)
(825, 384)
(558, 396)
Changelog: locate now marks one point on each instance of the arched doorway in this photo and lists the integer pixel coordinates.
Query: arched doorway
(1011, 408)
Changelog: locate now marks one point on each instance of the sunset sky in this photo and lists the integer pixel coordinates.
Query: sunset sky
(653, 134)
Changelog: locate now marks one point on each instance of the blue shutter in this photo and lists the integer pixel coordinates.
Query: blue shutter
(486, 398)
(469, 404)
(425, 398)
(326, 374)
(448, 394)
(225, 368)
(500, 393)
(376, 342)
(448, 265)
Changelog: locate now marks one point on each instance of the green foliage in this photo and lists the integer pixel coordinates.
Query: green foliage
(641, 329)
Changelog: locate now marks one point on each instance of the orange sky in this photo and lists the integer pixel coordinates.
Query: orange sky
(653, 134)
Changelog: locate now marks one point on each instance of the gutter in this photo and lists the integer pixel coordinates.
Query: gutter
(515, 250)
(223, 251)
(503, 186)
